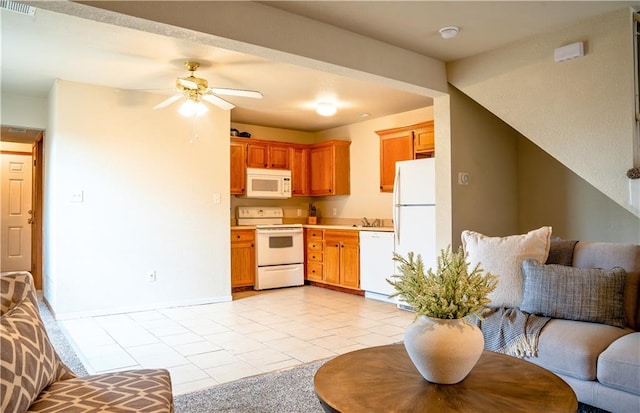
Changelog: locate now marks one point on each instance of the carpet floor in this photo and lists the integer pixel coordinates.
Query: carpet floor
(288, 391)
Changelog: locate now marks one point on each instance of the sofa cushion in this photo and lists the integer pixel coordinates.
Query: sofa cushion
(28, 360)
(582, 294)
(619, 364)
(561, 251)
(572, 347)
(502, 256)
(145, 390)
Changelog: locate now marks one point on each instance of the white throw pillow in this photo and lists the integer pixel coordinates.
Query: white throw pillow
(503, 256)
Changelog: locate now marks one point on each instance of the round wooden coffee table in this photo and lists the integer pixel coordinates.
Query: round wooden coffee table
(383, 379)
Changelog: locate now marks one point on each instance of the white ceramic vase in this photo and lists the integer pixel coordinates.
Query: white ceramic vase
(443, 351)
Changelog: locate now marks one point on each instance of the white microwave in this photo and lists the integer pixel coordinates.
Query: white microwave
(268, 183)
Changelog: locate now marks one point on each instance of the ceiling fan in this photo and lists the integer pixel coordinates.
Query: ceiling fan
(195, 90)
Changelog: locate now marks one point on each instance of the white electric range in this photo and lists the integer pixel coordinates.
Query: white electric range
(279, 247)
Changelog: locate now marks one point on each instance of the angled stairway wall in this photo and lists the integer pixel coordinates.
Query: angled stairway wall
(581, 112)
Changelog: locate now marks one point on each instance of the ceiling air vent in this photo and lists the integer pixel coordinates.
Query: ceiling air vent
(17, 7)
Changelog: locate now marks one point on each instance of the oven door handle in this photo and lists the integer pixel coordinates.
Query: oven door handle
(278, 231)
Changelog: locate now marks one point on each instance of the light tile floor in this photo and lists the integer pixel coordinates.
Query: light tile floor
(257, 332)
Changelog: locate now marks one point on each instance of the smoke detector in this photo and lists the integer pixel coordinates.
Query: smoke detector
(449, 32)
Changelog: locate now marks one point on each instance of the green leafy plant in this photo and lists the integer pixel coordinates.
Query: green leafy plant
(450, 292)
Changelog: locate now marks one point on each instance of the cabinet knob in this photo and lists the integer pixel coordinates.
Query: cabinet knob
(266, 164)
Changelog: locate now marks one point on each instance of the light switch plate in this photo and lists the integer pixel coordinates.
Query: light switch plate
(463, 178)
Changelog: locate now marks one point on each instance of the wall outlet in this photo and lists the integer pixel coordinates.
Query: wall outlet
(334, 211)
(299, 212)
(151, 276)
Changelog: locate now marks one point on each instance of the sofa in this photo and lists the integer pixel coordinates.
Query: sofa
(599, 361)
(587, 295)
(33, 378)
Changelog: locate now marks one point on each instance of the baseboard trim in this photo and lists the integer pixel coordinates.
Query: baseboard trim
(136, 308)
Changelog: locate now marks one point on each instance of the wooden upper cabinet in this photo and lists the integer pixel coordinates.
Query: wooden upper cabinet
(268, 155)
(299, 170)
(394, 147)
(329, 167)
(423, 141)
(238, 170)
(402, 144)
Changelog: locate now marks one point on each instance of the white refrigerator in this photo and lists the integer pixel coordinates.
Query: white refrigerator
(414, 209)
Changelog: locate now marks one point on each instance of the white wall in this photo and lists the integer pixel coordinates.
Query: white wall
(148, 203)
(580, 111)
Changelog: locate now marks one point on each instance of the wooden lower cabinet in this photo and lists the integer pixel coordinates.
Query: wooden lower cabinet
(243, 258)
(314, 265)
(342, 258)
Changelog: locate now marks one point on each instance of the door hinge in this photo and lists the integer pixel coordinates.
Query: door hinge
(35, 162)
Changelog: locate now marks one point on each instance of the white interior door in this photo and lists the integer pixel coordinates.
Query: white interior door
(15, 212)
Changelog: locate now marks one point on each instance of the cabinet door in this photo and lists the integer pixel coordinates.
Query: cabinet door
(238, 170)
(350, 265)
(243, 258)
(393, 148)
(322, 172)
(332, 262)
(423, 140)
(279, 156)
(257, 155)
(299, 171)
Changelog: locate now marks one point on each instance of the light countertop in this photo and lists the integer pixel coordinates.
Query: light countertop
(321, 226)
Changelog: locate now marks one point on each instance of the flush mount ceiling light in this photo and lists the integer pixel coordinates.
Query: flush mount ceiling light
(449, 32)
(326, 109)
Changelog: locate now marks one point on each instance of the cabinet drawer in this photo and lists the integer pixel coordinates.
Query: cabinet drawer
(342, 237)
(314, 255)
(314, 245)
(314, 271)
(314, 234)
(242, 235)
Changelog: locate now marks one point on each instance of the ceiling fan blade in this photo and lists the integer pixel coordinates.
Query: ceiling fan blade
(237, 92)
(218, 101)
(168, 101)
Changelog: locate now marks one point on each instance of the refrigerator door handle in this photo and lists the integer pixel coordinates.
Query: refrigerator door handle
(396, 206)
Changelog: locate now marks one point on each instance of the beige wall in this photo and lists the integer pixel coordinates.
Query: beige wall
(580, 111)
(366, 200)
(551, 194)
(275, 134)
(23, 110)
(148, 203)
(486, 148)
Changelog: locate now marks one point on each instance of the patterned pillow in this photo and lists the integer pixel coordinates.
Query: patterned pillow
(582, 294)
(29, 362)
(502, 256)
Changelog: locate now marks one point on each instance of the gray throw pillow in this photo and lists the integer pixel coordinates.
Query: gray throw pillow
(561, 251)
(582, 294)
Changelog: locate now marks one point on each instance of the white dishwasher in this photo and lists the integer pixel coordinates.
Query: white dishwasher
(376, 264)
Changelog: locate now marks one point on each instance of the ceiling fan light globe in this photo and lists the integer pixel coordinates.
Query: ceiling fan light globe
(192, 108)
